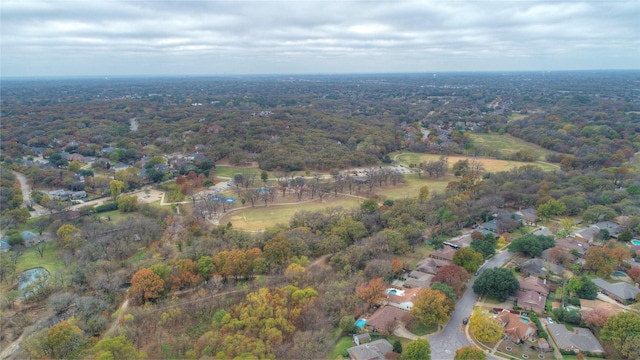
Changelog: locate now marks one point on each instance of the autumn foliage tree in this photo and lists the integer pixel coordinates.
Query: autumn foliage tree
(265, 321)
(469, 259)
(432, 306)
(145, 285)
(454, 276)
(372, 292)
(61, 341)
(485, 328)
(470, 353)
(595, 318)
(623, 331)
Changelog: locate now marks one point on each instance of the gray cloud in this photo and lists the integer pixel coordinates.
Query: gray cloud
(212, 37)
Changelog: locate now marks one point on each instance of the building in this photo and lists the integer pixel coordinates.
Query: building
(418, 279)
(360, 339)
(516, 328)
(385, 319)
(573, 246)
(531, 300)
(402, 298)
(529, 216)
(620, 291)
(375, 350)
(578, 340)
(534, 283)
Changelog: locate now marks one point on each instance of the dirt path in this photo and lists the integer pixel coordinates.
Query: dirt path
(12, 348)
(26, 194)
(116, 323)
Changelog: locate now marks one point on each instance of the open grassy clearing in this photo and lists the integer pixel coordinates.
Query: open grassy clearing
(507, 144)
(50, 260)
(259, 218)
(516, 116)
(490, 165)
(342, 345)
(411, 188)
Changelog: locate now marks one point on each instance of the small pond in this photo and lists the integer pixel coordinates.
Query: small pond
(30, 276)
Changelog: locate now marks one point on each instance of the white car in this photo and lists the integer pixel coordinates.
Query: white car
(549, 319)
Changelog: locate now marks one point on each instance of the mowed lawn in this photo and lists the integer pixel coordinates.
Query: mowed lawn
(259, 218)
(412, 185)
(508, 145)
(490, 165)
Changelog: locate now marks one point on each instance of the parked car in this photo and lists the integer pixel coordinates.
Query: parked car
(465, 321)
(549, 319)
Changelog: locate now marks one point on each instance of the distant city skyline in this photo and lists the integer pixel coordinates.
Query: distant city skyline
(176, 38)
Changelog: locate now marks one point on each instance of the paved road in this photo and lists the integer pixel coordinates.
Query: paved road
(452, 337)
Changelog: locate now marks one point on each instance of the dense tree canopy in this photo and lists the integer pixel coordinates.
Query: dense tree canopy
(497, 282)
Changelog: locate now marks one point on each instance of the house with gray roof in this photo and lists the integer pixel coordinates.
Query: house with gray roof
(620, 291)
(578, 340)
(375, 350)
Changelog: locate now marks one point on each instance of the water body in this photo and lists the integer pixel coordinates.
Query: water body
(30, 276)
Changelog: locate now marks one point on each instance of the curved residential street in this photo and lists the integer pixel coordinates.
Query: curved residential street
(452, 337)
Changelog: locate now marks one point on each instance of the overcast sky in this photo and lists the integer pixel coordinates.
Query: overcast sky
(108, 38)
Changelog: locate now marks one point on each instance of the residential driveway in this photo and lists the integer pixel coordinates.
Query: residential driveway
(452, 337)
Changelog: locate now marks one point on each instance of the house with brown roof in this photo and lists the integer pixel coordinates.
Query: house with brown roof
(515, 329)
(593, 305)
(385, 319)
(534, 283)
(418, 279)
(446, 253)
(531, 300)
(431, 265)
(571, 245)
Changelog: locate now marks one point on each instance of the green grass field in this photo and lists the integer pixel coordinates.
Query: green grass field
(342, 345)
(490, 165)
(412, 187)
(507, 144)
(259, 218)
(50, 260)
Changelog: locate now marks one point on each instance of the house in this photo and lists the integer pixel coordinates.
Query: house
(375, 350)
(460, 241)
(539, 267)
(78, 195)
(386, 317)
(360, 339)
(402, 298)
(4, 244)
(418, 279)
(490, 225)
(59, 194)
(619, 291)
(28, 237)
(542, 231)
(430, 265)
(531, 300)
(578, 340)
(611, 227)
(529, 216)
(587, 234)
(119, 166)
(534, 283)
(515, 329)
(592, 305)
(446, 253)
(573, 246)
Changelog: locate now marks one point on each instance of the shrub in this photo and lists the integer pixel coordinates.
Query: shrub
(106, 207)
